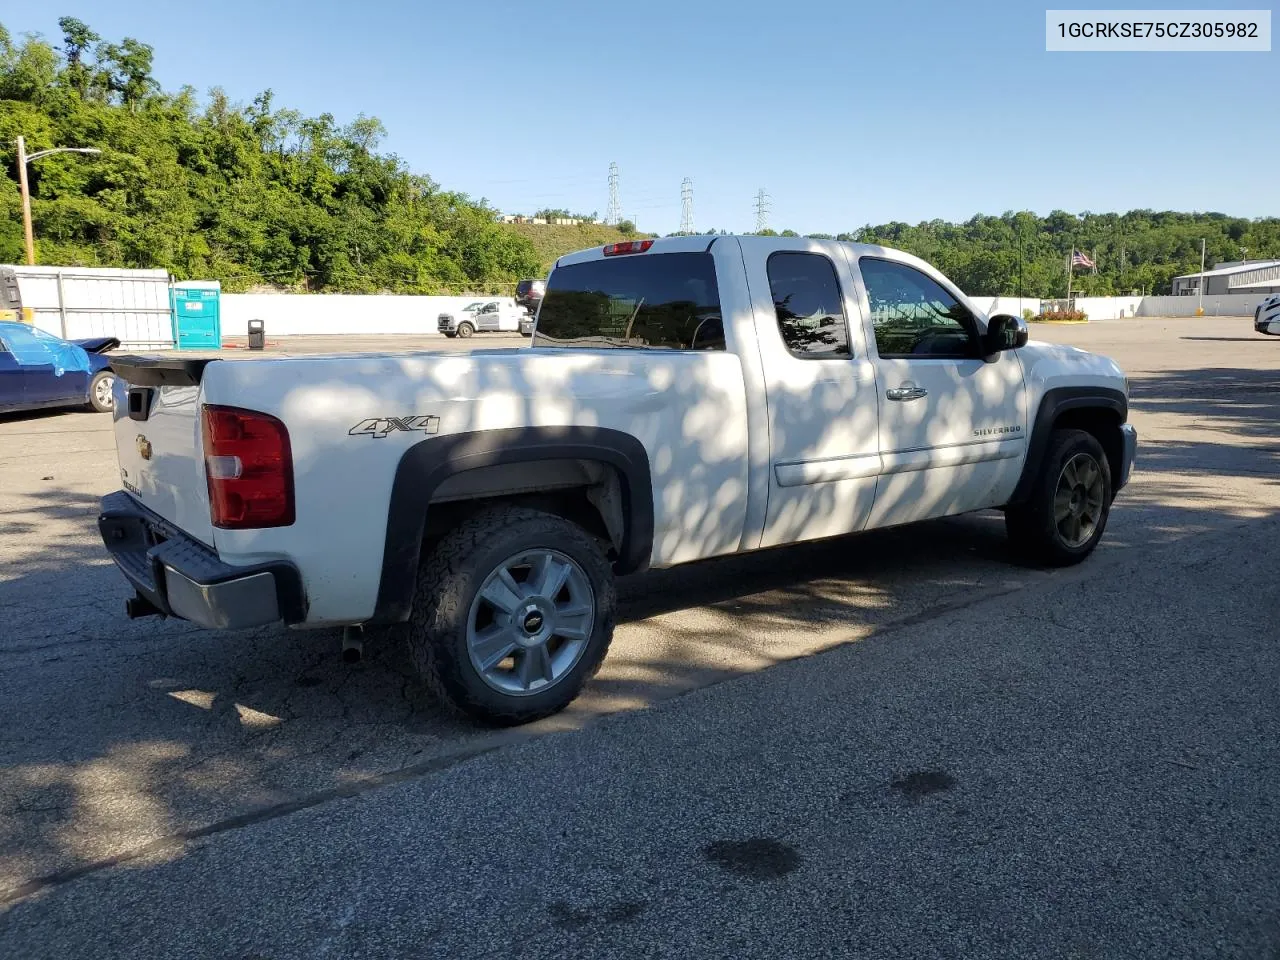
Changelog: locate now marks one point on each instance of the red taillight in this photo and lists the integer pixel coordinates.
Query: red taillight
(628, 246)
(249, 466)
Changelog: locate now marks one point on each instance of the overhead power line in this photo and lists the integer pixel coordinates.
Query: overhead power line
(686, 206)
(762, 210)
(614, 216)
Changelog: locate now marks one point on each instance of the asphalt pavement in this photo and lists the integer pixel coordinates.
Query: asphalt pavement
(901, 744)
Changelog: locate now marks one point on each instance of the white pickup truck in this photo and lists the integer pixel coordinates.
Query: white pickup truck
(682, 398)
(482, 316)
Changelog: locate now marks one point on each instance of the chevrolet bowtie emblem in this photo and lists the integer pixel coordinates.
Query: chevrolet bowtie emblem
(144, 447)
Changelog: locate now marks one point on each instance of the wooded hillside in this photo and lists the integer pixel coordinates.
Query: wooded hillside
(245, 194)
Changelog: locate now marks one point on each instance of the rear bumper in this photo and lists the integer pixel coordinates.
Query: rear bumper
(178, 576)
(1128, 452)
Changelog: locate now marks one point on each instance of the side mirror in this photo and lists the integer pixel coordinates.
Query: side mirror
(1004, 332)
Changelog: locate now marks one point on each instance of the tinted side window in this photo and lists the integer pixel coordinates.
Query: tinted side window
(655, 301)
(913, 315)
(806, 296)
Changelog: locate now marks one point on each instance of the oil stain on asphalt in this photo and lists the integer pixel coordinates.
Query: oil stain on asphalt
(568, 917)
(920, 783)
(759, 858)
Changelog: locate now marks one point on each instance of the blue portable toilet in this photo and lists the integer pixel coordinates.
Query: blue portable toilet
(197, 320)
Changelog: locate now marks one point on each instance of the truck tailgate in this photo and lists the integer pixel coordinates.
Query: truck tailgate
(158, 442)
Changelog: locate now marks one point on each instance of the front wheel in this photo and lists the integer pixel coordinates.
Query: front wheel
(513, 615)
(1063, 519)
(465, 330)
(100, 389)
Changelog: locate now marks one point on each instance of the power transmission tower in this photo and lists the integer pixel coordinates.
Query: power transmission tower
(762, 210)
(614, 216)
(686, 205)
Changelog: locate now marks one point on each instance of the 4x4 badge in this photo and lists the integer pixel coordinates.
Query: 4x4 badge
(380, 426)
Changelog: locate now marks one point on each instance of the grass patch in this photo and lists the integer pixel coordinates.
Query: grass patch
(553, 242)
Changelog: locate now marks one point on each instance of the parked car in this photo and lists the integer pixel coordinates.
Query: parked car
(683, 398)
(1266, 319)
(481, 316)
(39, 370)
(529, 294)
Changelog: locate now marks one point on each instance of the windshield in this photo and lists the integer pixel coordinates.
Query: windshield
(655, 301)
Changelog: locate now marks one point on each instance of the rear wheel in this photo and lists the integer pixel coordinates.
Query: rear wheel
(100, 391)
(465, 330)
(514, 614)
(1064, 517)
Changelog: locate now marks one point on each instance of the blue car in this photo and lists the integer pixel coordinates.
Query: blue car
(39, 370)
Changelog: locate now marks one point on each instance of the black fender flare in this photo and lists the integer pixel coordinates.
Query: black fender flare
(428, 463)
(1054, 403)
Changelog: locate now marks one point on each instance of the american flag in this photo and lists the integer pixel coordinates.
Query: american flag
(1078, 259)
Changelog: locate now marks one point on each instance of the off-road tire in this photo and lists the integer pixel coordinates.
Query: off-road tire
(1031, 526)
(450, 575)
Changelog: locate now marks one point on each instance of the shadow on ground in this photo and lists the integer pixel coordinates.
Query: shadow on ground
(114, 733)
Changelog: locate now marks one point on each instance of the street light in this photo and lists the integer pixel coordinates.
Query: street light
(23, 160)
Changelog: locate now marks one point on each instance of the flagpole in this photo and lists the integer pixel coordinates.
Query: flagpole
(1070, 257)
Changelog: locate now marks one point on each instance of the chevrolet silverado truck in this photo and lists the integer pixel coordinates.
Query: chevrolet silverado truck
(681, 399)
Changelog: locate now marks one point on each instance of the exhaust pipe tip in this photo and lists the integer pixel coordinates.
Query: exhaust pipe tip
(352, 644)
(139, 606)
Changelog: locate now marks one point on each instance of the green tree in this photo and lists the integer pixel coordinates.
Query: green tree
(245, 194)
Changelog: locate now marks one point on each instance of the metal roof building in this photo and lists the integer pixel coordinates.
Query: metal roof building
(1256, 276)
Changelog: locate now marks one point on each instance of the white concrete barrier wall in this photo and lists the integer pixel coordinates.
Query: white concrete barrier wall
(1010, 305)
(287, 315)
(1215, 305)
(1108, 308)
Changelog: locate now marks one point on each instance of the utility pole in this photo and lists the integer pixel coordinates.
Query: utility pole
(1200, 285)
(686, 205)
(26, 203)
(28, 232)
(1019, 269)
(762, 210)
(614, 216)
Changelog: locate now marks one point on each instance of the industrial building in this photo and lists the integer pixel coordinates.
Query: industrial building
(1254, 276)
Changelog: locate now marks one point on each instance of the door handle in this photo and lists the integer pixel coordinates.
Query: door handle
(906, 393)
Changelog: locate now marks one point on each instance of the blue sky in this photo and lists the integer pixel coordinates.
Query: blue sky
(845, 113)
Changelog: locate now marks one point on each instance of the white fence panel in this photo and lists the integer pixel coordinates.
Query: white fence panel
(1215, 305)
(78, 302)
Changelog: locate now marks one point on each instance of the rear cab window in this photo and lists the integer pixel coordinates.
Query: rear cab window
(660, 301)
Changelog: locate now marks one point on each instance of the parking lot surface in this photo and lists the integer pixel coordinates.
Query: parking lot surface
(899, 744)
